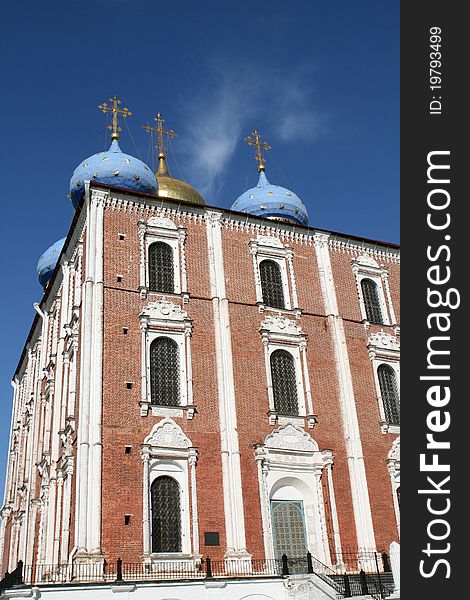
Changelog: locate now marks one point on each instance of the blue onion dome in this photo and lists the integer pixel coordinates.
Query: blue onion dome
(114, 168)
(48, 262)
(272, 202)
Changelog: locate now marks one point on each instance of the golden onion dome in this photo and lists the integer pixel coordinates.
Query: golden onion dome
(175, 189)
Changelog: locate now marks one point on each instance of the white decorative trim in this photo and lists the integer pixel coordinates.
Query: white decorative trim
(384, 348)
(163, 229)
(165, 319)
(278, 332)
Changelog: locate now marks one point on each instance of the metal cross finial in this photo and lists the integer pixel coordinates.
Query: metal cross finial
(114, 108)
(260, 145)
(160, 133)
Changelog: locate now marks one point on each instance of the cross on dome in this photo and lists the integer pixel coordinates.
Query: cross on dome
(260, 146)
(160, 133)
(124, 112)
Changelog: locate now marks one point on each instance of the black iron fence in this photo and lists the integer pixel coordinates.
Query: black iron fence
(356, 573)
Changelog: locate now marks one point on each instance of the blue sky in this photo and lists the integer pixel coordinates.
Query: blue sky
(320, 80)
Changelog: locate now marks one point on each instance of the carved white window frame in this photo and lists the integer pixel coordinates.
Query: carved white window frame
(290, 457)
(160, 229)
(165, 319)
(384, 349)
(365, 267)
(280, 333)
(393, 464)
(271, 248)
(168, 451)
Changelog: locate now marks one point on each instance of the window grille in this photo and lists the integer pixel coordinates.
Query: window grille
(370, 294)
(164, 372)
(284, 382)
(166, 515)
(390, 394)
(271, 284)
(161, 268)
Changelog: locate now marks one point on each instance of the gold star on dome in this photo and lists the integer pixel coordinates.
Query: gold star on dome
(254, 139)
(114, 108)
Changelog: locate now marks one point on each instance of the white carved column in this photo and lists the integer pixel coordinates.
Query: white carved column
(290, 262)
(184, 280)
(393, 320)
(317, 521)
(65, 537)
(264, 502)
(259, 290)
(308, 392)
(192, 466)
(189, 372)
(328, 459)
(144, 391)
(146, 503)
(269, 381)
(58, 518)
(143, 259)
(321, 509)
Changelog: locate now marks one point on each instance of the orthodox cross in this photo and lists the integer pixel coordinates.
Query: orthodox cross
(114, 108)
(160, 133)
(254, 139)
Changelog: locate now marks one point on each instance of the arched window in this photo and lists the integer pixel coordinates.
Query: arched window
(161, 268)
(166, 515)
(370, 294)
(164, 372)
(271, 284)
(390, 394)
(284, 383)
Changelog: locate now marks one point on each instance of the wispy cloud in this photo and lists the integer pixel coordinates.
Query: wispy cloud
(233, 101)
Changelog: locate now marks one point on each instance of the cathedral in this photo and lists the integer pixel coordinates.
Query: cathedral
(207, 403)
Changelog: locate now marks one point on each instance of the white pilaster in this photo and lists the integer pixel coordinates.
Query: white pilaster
(88, 511)
(231, 471)
(357, 473)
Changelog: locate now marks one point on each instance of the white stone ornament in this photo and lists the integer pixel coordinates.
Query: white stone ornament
(394, 453)
(167, 434)
(384, 340)
(161, 222)
(265, 240)
(282, 325)
(289, 437)
(164, 309)
(367, 261)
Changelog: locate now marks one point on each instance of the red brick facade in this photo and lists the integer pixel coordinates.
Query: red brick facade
(123, 425)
